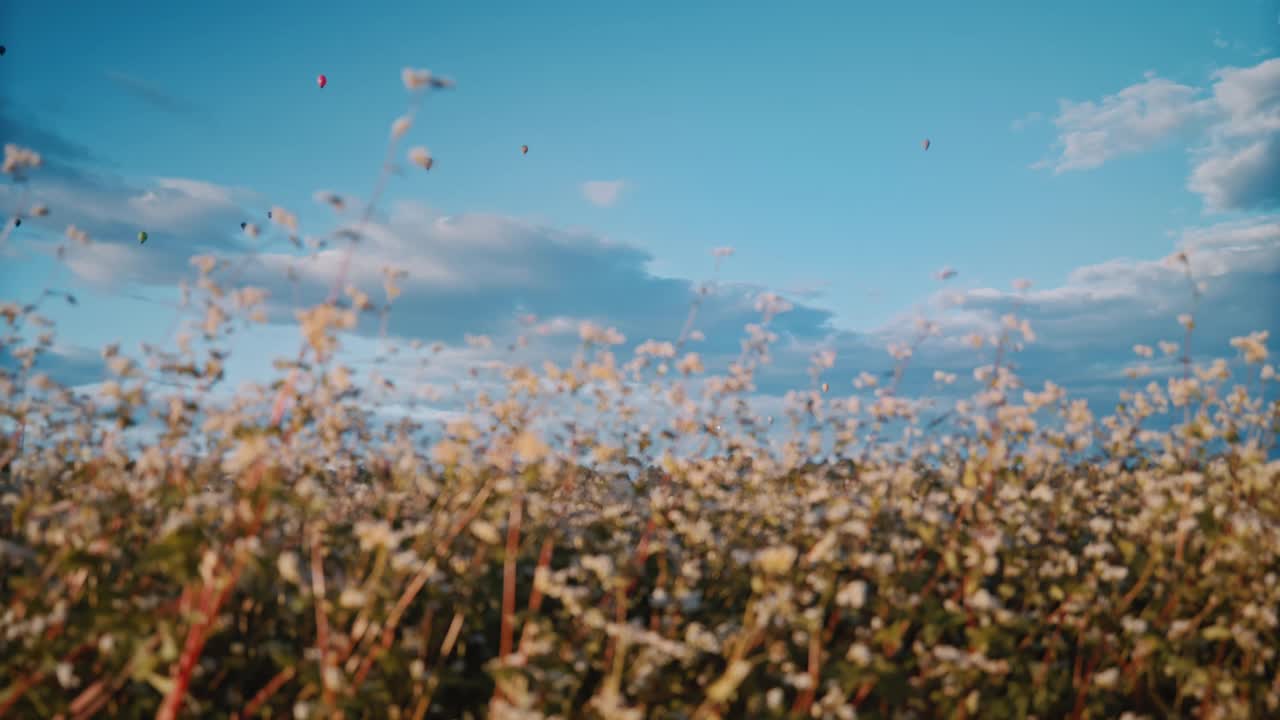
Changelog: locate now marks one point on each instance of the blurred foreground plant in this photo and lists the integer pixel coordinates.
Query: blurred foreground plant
(1028, 559)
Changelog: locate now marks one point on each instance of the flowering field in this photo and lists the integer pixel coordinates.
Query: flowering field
(287, 553)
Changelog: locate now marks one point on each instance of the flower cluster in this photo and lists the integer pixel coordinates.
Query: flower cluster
(1027, 559)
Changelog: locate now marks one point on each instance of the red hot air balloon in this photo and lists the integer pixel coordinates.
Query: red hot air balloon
(926, 143)
(524, 149)
(322, 81)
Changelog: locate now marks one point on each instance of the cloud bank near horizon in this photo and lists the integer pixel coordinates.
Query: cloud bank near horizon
(481, 273)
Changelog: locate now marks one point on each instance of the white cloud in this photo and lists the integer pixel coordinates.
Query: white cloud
(1086, 327)
(477, 273)
(1237, 158)
(1244, 179)
(602, 193)
(1130, 121)
(1250, 98)
(1239, 167)
(182, 218)
(1121, 302)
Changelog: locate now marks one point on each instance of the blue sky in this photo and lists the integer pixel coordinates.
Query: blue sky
(788, 132)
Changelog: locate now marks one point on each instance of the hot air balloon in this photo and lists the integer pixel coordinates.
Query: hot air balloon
(926, 143)
(825, 387)
(17, 222)
(243, 225)
(524, 149)
(142, 238)
(1, 49)
(322, 81)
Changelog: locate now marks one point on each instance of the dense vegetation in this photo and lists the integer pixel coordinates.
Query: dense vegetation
(287, 553)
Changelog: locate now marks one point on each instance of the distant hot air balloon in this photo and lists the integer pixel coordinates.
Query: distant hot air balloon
(322, 81)
(1, 49)
(142, 238)
(17, 222)
(243, 225)
(524, 149)
(825, 387)
(926, 143)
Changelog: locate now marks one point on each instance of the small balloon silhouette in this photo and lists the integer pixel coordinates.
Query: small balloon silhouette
(142, 237)
(17, 222)
(926, 143)
(1, 49)
(524, 149)
(322, 81)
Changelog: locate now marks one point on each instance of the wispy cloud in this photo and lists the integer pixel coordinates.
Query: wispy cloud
(64, 364)
(1022, 123)
(602, 193)
(59, 152)
(150, 94)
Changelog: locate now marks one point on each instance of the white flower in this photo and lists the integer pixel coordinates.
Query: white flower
(332, 678)
(1253, 345)
(415, 79)
(530, 447)
(418, 79)
(776, 560)
(852, 595)
(66, 675)
(859, 653)
(983, 600)
(16, 158)
(774, 698)
(1133, 626)
(656, 349)
(421, 157)
(78, 235)
(400, 126)
(375, 535)
(485, 532)
(287, 564)
(771, 304)
(352, 598)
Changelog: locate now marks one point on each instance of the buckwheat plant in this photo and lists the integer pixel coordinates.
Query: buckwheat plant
(619, 537)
